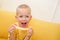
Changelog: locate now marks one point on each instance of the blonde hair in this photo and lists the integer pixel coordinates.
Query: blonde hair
(24, 6)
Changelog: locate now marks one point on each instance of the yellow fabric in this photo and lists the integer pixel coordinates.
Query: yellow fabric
(6, 19)
(19, 33)
(42, 30)
(3, 39)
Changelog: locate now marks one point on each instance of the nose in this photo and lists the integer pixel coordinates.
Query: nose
(23, 18)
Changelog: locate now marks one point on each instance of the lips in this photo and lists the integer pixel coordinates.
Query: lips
(24, 24)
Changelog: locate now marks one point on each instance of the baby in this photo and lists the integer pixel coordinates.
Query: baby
(21, 29)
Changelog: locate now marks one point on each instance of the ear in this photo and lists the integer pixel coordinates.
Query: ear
(30, 17)
(16, 17)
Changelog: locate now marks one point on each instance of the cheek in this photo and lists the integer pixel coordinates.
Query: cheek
(28, 19)
(19, 19)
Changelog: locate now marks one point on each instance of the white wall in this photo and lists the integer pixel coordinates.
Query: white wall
(0, 4)
(47, 10)
(56, 17)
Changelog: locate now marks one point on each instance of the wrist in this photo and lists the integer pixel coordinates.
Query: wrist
(28, 35)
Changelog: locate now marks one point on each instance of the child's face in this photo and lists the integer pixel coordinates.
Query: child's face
(23, 16)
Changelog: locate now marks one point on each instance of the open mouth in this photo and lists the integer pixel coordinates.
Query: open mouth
(24, 23)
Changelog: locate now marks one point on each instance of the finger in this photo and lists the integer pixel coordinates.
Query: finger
(12, 27)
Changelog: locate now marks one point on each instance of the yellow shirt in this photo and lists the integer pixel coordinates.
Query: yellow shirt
(19, 33)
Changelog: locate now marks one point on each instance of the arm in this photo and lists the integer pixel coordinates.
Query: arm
(11, 32)
(29, 34)
(27, 37)
(12, 36)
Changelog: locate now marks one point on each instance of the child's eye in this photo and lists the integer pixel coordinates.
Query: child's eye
(27, 16)
(20, 16)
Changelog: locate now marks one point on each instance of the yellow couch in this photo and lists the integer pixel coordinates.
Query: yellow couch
(42, 30)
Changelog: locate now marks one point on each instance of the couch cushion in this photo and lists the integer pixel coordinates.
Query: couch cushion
(6, 19)
(42, 30)
(45, 30)
(3, 39)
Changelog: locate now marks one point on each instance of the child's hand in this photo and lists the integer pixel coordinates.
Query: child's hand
(30, 32)
(11, 28)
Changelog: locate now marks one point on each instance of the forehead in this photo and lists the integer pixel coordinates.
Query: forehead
(23, 11)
